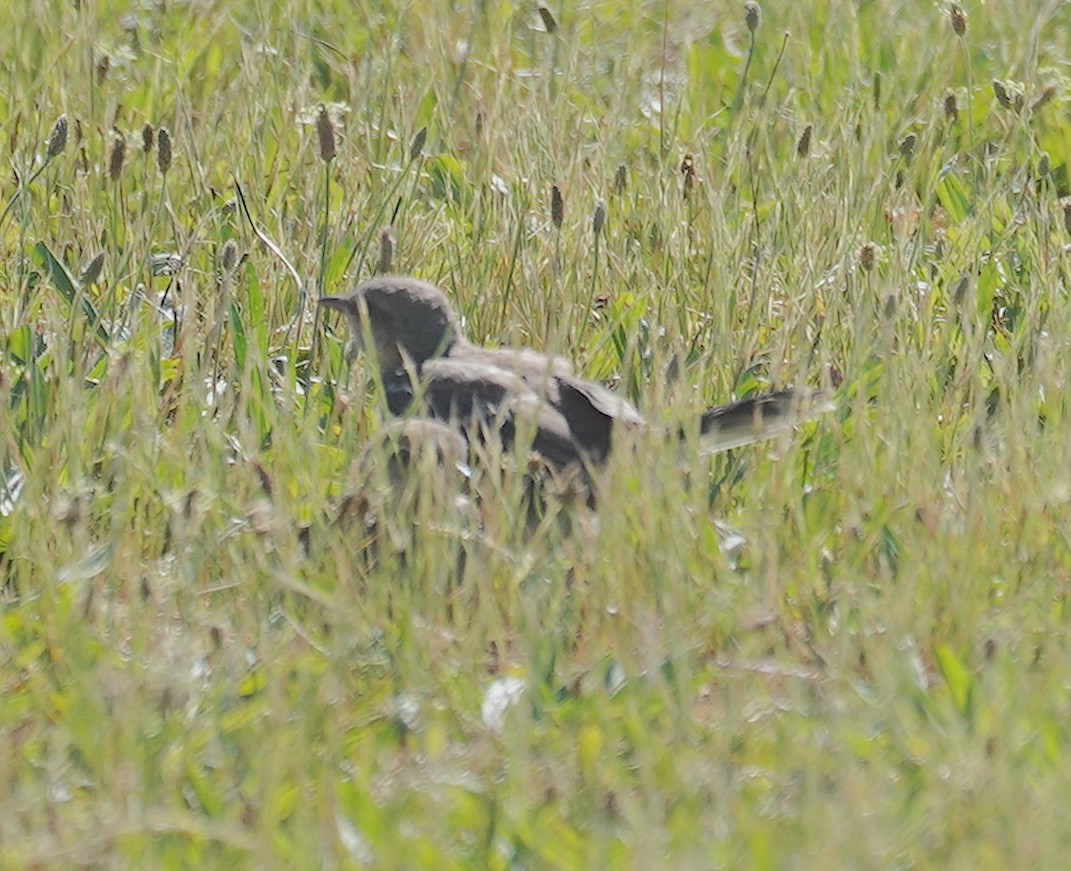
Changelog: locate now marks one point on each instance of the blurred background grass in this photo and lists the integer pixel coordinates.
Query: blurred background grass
(845, 649)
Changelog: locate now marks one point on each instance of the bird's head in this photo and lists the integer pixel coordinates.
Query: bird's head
(396, 317)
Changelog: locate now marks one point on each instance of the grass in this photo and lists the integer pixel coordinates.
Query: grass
(845, 649)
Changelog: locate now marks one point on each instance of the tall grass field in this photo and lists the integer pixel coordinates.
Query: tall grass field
(231, 639)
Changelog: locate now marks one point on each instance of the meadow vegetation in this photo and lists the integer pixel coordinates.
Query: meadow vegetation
(847, 648)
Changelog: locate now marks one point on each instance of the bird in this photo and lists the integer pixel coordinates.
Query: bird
(410, 448)
(412, 332)
(413, 464)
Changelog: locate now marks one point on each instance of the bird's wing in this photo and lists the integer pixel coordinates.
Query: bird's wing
(547, 375)
(537, 369)
(603, 400)
(590, 410)
(758, 418)
(479, 398)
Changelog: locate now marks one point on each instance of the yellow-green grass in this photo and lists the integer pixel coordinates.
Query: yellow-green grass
(843, 649)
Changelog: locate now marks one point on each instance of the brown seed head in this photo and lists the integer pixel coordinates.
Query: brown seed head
(549, 24)
(868, 255)
(599, 218)
(163, 150)
(960, 293)
(70, 511)
(1044, 165)
(57, 139)
(907, 146)
(620, 179)
(958, 17)
(1043, 98)
(267, 485)
(951, 107)
(93, 269)
(416, 145)
(803, 144)
(117, 157)
(228, 257)
(148, 136)
(1000, 91)
(890, 307)
(386, 251)
(688, 174)
(557, 206)
(325, 132)
(752, 15)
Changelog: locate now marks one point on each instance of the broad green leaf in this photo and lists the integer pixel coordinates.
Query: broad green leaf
(446, 178)
(70, 290)
(953, 195)
(257, 317)
(238, 337)
(426, 110)
(989, 281)
(20, 344)
(956, 676)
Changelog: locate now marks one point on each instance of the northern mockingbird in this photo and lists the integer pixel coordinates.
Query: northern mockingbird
(411, 330)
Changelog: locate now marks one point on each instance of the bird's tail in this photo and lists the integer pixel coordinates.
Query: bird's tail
(758, 418)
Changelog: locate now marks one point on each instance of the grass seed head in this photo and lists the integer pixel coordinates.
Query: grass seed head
(549, 24)
(416, 144)
(148, 137)
(1044, 165)
(1044, 97)
(907, 146)
(163, 150)
(70, 510)
(958, 17)
(325, 133)
(57, 139)
(620, 179)
(803, 144)
(960, 293)
(229, 255)
(557, 206)
(868, 256)
(189, 505)
(386, 251)
(951, 107)
(599, 218)
(688, 174)
(1001, 93)
(264, 479)
(117, 157)
(752, 15)
(92, 270)
(890, 307)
